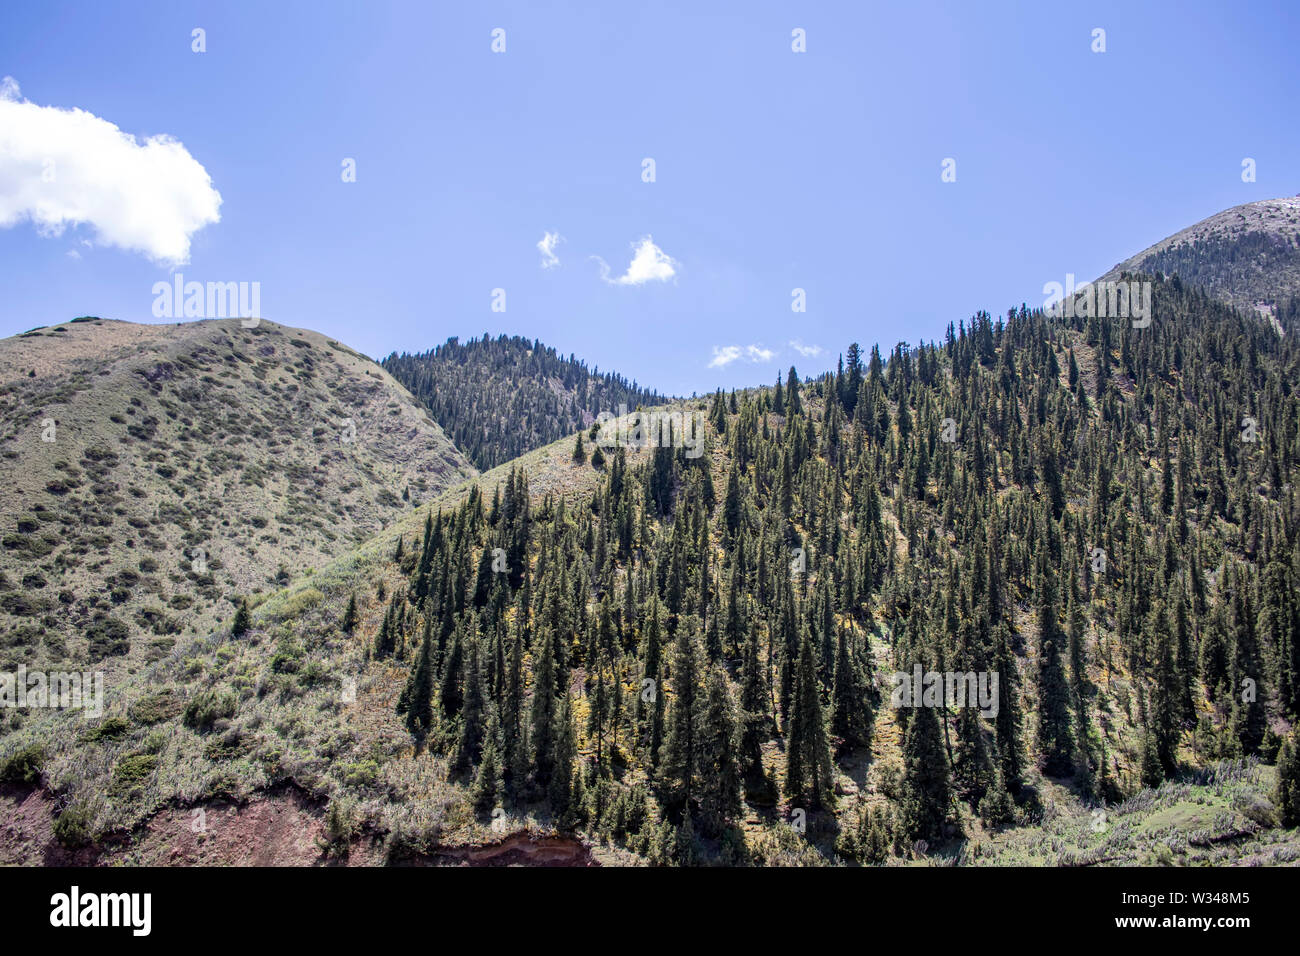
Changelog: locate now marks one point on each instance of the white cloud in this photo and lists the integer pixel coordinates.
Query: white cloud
(67, 167)
(807, 351)
(726, 354)
(649, 262)
(546, 246)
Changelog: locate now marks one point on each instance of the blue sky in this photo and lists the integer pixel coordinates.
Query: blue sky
(774, 170)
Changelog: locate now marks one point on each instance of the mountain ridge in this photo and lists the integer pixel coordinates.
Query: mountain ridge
(1246, 255)
(499, 398)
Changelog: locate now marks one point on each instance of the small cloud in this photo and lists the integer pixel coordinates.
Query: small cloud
(649, 262)
(74, 254)
(807, 351)
(546, 246)
(67, 167)
(726, 354)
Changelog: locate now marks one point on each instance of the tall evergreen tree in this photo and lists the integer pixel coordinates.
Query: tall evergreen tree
(808, 773)
(926, 796)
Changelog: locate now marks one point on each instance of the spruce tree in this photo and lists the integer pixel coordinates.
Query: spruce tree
(679, 762)
(754, 720)
(851, 709)
(560, 788)
(543, 712)
(1164, 693)
(1287, 791)
(808, 772)
(349, 622)
(1008, 723)
(924, 802)
(719, 769)
(242, 620)
(794, 404)
(650, 703)
(417, 699)
(1055, 738)
(485, 794)
(469, 748)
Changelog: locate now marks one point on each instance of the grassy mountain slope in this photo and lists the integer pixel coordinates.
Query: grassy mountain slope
(500, 398)
(977, 553)
(296, 702)
(1247, 256)
(149, 474)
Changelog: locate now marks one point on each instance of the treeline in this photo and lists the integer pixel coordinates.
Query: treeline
(1103, 516)
(499, 398)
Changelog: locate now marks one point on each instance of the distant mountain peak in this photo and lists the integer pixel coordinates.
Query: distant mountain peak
(1247, 256)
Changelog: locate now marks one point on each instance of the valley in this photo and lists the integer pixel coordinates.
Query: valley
(661, 652)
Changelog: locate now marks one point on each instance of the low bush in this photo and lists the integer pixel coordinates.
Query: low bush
(23, 766)
(206, 708)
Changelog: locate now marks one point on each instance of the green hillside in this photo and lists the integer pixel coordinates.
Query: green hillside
(1101, 516)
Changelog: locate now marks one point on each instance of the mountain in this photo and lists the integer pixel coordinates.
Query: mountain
(1247, 256)
(669, 657)
(292, 721)
(499, 398)
(150, 475)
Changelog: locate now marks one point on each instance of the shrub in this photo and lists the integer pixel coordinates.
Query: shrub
(111, 728)
(72, 827)
(340, 825)
(1255, 809)
(299, 603)
(32, 546)
(288, 657)
(155, 708)
(108, 636)
(23, 766)
(233, 743)
(20, 604)
(206, 708)
(362, 773)
(133, 770)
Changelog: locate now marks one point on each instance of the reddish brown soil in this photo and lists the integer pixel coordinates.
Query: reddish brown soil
(519, 849)
(26, 831)
(280, 828)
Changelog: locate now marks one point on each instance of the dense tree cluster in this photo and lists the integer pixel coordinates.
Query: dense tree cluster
(1101, 515)
(499, 398)
(1262, 266)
